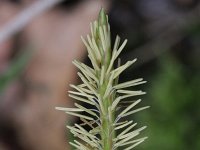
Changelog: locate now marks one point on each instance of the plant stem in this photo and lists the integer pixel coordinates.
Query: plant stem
(107, 134)
(107, 118)
(25, 17)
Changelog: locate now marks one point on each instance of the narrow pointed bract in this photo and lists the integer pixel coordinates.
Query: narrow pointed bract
(100, 89)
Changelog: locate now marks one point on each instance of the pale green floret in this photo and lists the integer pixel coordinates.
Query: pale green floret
(106, 118)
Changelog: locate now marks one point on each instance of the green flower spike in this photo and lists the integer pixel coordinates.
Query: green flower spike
(108, 127)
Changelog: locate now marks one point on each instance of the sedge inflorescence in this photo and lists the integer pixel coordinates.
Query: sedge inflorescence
(107, 125)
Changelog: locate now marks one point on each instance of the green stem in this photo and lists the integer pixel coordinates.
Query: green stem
(107, 131)
(107, 128)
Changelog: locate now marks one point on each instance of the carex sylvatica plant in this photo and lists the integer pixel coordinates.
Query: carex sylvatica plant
(105, 125)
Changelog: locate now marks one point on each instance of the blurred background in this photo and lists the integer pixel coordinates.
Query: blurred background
(36, 68)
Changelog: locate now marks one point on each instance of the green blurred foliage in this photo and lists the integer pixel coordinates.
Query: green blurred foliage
(174, 117)
(17, 67)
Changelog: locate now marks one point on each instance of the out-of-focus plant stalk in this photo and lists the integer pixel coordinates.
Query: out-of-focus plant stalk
(24, 17)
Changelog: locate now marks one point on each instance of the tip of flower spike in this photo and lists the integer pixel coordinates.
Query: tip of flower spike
(102, 17)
